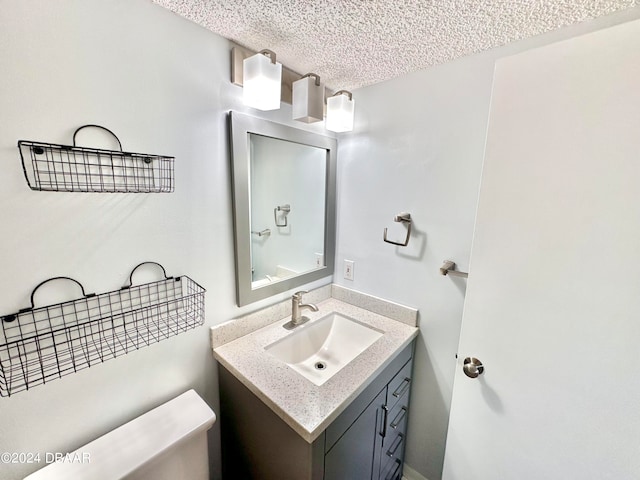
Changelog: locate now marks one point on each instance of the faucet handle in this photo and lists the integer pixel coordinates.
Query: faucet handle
(299, 294)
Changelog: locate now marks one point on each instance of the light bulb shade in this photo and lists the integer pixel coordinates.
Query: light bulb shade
(340, 112)
(261, 82)
(308, 100)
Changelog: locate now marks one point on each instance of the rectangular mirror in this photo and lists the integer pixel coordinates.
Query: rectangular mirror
(284, 206)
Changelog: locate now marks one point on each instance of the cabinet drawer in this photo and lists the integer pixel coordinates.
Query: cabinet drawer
(397, 418)
(393, 443)
(400, 385)
(392, 471)
(394, 447)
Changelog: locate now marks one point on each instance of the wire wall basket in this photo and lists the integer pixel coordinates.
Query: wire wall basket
(38, 345)
(70, 168)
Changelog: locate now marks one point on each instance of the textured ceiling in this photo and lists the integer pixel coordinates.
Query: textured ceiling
(353, 43)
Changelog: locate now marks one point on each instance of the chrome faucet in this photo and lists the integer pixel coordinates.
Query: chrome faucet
(296, 306)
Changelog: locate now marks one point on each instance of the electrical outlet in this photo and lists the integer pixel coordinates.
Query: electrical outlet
(348, 269)
(319, 260)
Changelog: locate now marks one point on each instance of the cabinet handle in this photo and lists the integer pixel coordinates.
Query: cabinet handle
(394, 473)
(395, 445)
(402, 388)
(385, 413)
(396, 421)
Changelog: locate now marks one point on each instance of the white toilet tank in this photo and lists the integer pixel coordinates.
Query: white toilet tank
(167, 443)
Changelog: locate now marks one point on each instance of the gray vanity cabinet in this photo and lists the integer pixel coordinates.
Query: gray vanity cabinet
(372, 447)
(365, 442)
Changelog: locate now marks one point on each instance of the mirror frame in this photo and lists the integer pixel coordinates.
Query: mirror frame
(240, 126)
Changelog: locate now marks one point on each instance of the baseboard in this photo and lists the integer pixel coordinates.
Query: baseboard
(409, 473)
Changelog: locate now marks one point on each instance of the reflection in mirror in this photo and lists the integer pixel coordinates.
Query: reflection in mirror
(287, 201)
(284, 206)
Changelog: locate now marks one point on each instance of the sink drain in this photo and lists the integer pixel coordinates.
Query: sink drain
(320, 365)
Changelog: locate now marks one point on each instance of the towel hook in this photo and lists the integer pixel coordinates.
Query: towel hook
(262, 233)
(403, 217)
(448, 268)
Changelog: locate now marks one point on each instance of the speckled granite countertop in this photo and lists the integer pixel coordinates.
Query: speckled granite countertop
(305, 407)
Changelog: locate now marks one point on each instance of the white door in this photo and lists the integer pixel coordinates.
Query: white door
(553, 299)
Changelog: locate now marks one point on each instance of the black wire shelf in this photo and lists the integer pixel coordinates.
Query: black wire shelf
(70, 168)
(38, 345)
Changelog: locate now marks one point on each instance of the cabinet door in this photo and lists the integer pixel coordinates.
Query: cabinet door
(352, 457)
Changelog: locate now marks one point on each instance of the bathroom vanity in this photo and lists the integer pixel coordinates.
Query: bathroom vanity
(278, 423)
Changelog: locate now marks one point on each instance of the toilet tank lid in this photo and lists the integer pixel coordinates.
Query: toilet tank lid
(125, 449)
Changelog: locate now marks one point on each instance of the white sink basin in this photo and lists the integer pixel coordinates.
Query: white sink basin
(319, 349)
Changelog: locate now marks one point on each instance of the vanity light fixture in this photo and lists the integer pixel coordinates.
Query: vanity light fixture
(308, 99)
(340, 112)
(262, 77)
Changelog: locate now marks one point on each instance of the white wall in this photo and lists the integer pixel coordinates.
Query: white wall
(418, 147)
(162, 84)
